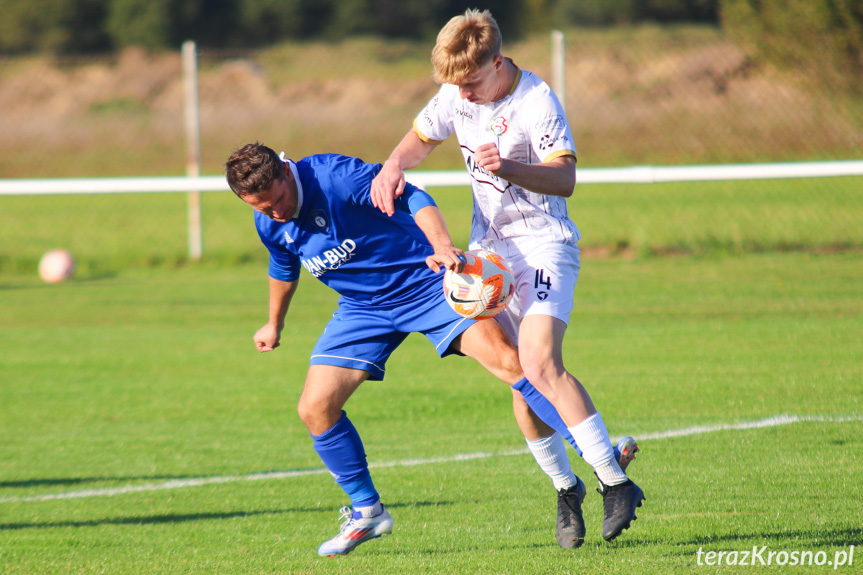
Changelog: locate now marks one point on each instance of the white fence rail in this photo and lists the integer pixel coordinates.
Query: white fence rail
(432, 179)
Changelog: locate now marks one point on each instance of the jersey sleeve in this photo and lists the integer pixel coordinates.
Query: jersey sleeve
(434, 123)
(284, 265)
(550, 134)
(413, 200)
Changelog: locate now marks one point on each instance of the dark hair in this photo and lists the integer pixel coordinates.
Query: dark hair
(252, 169)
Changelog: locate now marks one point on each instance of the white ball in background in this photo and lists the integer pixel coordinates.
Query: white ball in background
(56, 266)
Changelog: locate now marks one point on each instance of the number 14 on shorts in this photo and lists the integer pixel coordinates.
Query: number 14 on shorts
(541, 279)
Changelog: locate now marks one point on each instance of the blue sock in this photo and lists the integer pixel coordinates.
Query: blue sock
(544, 409)
(341, 450)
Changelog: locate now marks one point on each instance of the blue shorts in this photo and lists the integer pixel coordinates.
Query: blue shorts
(363, 336)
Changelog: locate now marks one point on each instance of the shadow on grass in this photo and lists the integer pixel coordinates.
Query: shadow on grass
(82, 280)
(814, 538)
(741, 541)
(187, 517)
(153, 519)
(70, 481)
(465, 548)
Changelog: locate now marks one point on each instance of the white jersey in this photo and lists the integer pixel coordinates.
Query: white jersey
(529, 126)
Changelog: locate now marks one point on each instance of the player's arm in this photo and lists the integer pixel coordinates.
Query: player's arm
(281, 293)
(430, 220)
(390, 181)
(553, 178)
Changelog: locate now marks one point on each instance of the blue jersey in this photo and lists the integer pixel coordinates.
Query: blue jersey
(340, 238)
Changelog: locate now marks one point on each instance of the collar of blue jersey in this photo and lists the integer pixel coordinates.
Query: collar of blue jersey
(299, 184)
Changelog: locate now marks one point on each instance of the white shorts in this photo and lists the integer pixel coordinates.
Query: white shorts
(545, 278)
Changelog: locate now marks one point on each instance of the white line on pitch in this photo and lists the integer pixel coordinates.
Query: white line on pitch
(198, 481)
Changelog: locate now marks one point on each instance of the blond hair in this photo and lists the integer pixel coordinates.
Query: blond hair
(466, 44)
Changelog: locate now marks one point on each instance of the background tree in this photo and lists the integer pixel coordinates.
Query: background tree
(822, 36)
(54, 26)
(145, 23)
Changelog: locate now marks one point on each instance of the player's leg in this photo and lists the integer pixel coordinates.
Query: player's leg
(354, 347)
(624, 451)
(337, 442)
(541, 357)
(540, 353)
(325, 393)
(544, 443)
(339, 446)
(486, 342)
(546, 276)
(546, 279)
(549, 451)
(509, 322)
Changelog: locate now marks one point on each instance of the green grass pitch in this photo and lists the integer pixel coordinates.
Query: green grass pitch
(113, 387)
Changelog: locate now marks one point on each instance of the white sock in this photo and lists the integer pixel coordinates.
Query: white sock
(596, 449)
(372, 510)
(550, 454)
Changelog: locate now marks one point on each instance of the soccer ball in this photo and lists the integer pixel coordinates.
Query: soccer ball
(483, 289)
(56, 266)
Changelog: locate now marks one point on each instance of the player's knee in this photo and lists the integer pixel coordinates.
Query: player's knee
(318, 413)
(510, 364)
(311, 411)
(506, 354)
(303, 410)
(539, 369)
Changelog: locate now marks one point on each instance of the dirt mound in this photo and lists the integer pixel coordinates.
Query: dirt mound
(689, 103)
(155, 81)
(45, 89)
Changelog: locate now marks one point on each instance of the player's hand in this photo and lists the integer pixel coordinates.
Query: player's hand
(451, 259)
(388, 185)
(267, 338)
(487, 157)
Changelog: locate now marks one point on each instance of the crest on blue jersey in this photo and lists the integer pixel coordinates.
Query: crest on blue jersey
(320, 219)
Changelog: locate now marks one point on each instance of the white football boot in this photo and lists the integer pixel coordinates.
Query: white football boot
(625, 451)
(356, 530)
